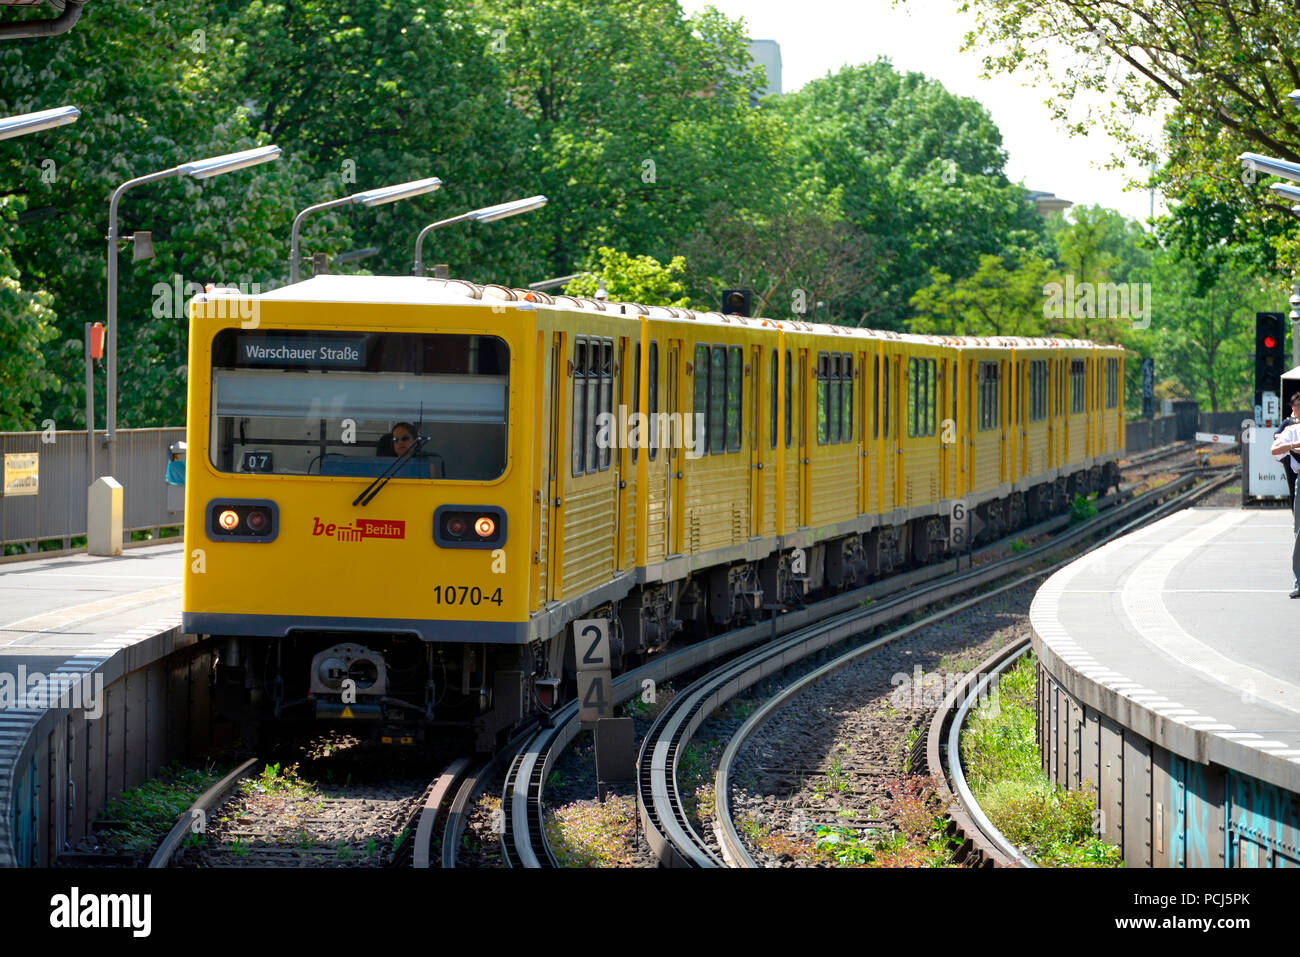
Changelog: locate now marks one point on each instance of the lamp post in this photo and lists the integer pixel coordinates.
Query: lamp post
(487, 214)
(25, 123)
(371, 197)
(200, 169)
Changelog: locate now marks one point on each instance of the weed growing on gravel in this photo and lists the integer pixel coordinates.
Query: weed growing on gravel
(281, 782)
(142, 816)
(775, 843)
(649, 710)
(704, 804)
(1083, 508)
(591, 834)
(840, 779)
(401, 839)
(1001, 760)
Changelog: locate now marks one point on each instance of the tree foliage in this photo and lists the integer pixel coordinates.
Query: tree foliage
(641, 279)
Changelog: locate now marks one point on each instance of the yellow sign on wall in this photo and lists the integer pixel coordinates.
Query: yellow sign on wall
(22, 473)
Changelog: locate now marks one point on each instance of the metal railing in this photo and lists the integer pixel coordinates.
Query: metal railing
(58, 509)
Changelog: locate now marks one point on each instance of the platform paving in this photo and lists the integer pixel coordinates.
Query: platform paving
(1185, 632)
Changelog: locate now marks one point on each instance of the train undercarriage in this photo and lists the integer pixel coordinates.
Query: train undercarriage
(404, 691)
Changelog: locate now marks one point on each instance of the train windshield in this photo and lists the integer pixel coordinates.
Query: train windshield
(289, 402)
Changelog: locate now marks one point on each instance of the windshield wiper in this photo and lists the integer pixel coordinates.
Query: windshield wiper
(374, 487)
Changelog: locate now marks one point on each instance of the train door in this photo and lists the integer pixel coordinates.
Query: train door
(754, 433)
(898, 412)
(676, 455)
(554, 544)
(945, 429)
(1022, 418)
(863, 430)
(625, 496)
(805, 456)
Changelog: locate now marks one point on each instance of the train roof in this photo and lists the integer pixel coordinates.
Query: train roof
(416, 290)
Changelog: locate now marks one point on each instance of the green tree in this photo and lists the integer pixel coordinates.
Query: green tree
(640, 119)
(641, 279)
(136, 121)
(26, 326)
(1220, 70)
(993, 301)
(1202, 332)
(917, 169)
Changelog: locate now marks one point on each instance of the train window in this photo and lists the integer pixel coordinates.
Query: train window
(717, 417)
(988, 396)
(1112, 383)
(846, 400)
(735, 396)
(772, 382)
(1077, 392)
(606, 401)
(922, 394)
(823, 363)
(579, 405)
(789, 398)
(702, 390)
(653, 437)
(912, 404)
(833, 411)
(1037, 390)
(884, 401)
(636, 393)
(875, 397)
(593, 401)
(326, 403)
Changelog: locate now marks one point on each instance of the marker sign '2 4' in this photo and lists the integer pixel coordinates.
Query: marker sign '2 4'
(595, 683)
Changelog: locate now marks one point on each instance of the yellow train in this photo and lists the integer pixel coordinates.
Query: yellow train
(667, 470)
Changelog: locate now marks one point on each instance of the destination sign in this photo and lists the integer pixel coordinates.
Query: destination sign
(313, 351)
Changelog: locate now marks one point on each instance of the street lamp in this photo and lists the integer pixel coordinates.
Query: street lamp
(202, 169)
(1285, 191)
(12, 126)
(487, 214)
(371, 197)
(1276, 167)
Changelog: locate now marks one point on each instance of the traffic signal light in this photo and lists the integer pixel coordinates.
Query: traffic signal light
(1270, 352)
(736, 302)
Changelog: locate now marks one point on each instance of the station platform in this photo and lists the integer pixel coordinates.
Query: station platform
(70, 627)
(1174, 648)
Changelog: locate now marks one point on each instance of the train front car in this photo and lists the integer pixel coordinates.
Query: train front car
(346, 573)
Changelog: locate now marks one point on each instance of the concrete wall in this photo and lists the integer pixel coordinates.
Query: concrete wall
(155, 712)
(1160, 808)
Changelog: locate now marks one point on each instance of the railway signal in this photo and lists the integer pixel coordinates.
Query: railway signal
(737, 302)
(1270, 351)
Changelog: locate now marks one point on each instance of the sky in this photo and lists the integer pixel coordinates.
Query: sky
(820, 36)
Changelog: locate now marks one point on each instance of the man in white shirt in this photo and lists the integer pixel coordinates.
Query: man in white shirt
(1287, 442)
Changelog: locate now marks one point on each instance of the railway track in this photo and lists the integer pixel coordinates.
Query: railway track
(668, 829)
(828, 622)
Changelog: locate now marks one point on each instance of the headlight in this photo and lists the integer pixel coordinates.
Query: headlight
(469, 526)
